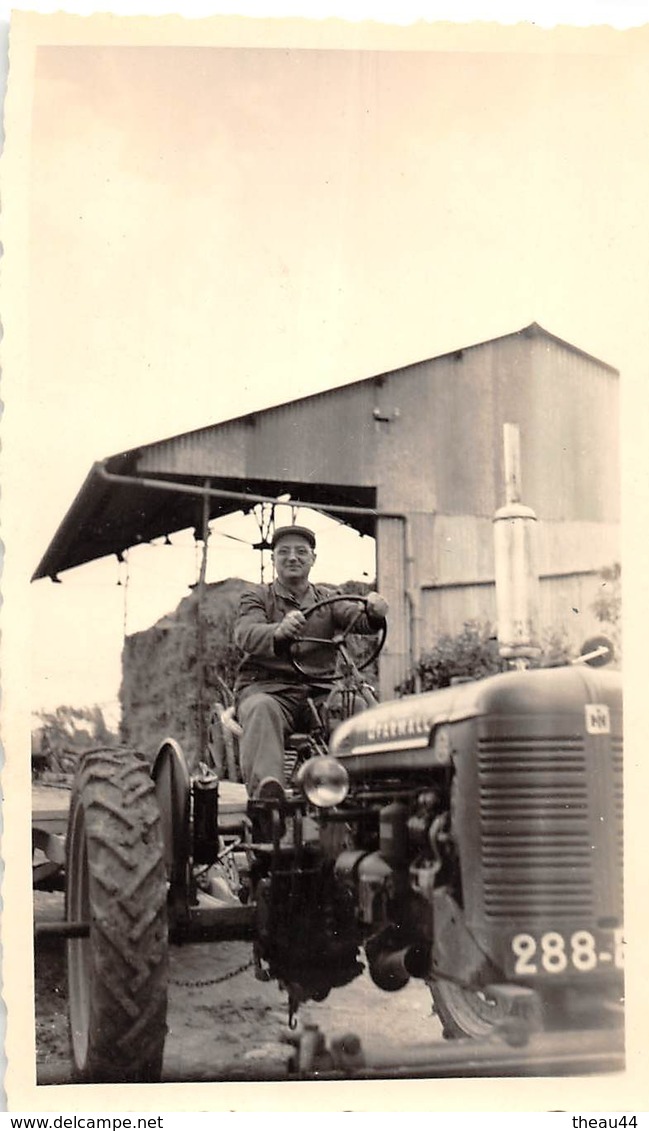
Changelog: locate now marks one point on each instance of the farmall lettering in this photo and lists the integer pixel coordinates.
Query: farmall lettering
(399, 728)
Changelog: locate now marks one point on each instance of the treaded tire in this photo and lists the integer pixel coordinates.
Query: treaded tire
(465, 1013)
(117, 977)
(468, 1013)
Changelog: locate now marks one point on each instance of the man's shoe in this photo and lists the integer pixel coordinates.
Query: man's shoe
(271, 791)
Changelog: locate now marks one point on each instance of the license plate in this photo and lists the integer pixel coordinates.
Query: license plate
(559, 952)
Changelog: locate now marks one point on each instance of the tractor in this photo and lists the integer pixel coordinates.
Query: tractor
(470, 837)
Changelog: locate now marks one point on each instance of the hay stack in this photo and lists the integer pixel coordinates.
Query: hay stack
(160, 688)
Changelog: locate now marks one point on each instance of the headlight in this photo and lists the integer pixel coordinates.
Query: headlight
(325, 781)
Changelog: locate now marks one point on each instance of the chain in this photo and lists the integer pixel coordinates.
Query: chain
(213, 981)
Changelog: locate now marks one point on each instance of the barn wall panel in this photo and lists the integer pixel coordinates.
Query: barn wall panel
(576, 546)
(453, 548)
(464, 417)
(446, 609)
(392, 582)
(565, 609)
(569, 436)
(329, 439)
(406, 463)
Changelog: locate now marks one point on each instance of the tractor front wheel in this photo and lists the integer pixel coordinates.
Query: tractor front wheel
(116, 882)
(464, 1012)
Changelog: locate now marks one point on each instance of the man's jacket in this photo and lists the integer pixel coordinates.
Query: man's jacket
(262, 607)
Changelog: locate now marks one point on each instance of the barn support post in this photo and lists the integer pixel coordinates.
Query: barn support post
(392, 569)
(413, 595)
(201, 658)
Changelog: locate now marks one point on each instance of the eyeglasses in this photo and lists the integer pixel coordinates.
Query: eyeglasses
(292, 551)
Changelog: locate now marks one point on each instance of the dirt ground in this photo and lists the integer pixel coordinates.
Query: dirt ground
(217, 1031)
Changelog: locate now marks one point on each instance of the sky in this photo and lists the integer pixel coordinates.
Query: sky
(209, 231)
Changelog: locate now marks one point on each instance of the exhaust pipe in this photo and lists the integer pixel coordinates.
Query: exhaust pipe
(392, 969)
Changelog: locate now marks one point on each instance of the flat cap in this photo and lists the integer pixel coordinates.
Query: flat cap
(291, 531)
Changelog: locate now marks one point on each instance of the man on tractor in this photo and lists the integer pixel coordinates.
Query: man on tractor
(271, 695)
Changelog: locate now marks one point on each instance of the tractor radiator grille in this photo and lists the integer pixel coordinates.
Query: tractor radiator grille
(535, 828)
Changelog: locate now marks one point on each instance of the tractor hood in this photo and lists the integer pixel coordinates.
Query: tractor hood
(400, 734)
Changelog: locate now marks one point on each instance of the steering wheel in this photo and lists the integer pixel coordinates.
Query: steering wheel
(336, 642)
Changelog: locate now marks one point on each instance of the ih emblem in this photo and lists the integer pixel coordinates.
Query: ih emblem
(598, 718)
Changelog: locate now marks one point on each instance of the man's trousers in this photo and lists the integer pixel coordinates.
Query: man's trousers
(269, 711)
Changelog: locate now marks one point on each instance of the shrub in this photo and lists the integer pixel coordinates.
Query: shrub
(65, 733)
(607, 607)
(473, 654)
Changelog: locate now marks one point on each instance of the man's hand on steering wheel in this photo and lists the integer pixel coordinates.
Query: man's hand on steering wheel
(373, 605)
(377, 606)
(291, 627)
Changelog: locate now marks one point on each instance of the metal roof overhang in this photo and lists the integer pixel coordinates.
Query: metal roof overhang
(117, 508)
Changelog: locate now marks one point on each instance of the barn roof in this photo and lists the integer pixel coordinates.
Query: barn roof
(123, 503)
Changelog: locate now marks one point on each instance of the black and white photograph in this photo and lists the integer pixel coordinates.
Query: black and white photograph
(322, 342)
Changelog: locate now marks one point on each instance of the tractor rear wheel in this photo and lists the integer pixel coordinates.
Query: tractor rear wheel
(117, 976)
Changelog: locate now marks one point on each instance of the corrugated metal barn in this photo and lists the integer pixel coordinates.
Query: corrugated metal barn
(414, 457)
